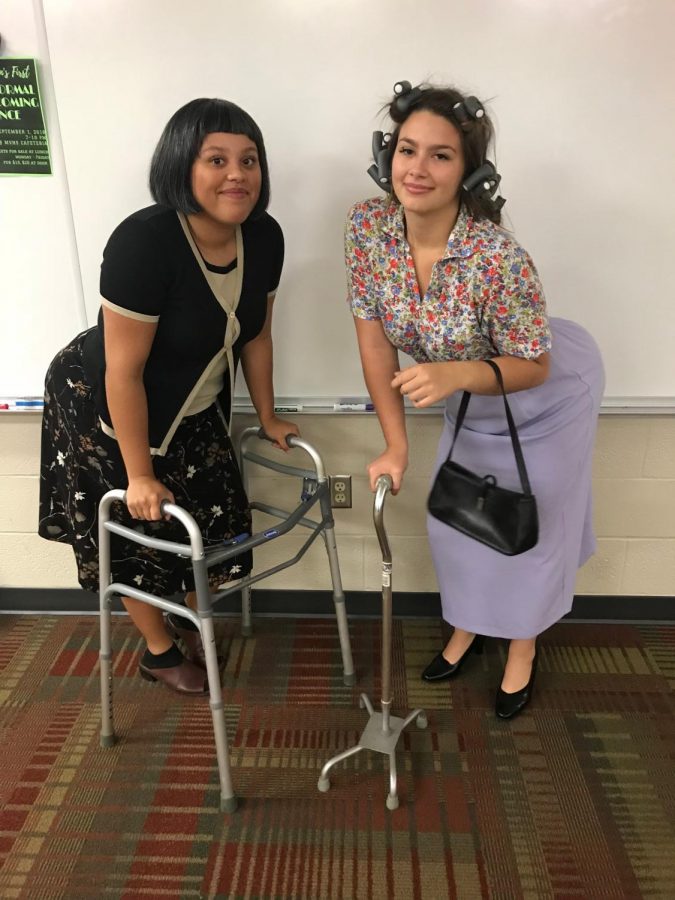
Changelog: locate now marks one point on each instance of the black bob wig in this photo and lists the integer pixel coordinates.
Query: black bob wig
(181, 141)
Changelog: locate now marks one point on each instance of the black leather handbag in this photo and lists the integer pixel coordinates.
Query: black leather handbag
(475, 505)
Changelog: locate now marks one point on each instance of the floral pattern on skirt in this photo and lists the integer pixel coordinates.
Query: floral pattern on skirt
(80, 463)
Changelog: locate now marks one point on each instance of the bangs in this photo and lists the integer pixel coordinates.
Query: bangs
(226, 117)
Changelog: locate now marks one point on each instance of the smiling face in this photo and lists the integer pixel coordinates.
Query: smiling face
(226, 177)
(428, 165)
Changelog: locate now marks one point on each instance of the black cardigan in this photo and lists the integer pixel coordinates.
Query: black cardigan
(150, 272)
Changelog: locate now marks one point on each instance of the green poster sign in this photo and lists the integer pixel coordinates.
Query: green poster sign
(24, 149)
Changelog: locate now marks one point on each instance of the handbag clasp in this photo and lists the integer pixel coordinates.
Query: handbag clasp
(488, 482)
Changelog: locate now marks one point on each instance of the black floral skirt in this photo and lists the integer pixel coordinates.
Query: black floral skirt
(80, 463)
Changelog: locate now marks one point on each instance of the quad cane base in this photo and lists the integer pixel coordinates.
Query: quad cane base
(378, 737)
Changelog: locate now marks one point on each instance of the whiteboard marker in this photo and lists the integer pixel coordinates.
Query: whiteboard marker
(23, 405)
(353, 407)
(287, 409)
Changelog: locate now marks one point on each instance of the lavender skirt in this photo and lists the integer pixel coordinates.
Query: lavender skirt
(520, 596)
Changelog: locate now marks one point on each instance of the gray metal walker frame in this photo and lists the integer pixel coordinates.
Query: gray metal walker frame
(315, 490)
(382, 730)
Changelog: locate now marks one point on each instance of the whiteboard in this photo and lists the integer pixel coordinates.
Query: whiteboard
(581, 94)
(40, 288)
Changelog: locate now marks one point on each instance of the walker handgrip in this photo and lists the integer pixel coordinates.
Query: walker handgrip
(167, 508)
(290, 438)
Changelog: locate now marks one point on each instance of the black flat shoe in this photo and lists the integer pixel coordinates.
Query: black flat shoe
(439, 669)
(509, 705)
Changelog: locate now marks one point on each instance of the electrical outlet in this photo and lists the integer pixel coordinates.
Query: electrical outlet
(341, 491)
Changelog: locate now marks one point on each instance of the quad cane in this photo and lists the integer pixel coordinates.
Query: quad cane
(382, 730)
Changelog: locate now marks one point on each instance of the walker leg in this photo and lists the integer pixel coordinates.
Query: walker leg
(340, 609)
(228, 800)
(246, 626)
(108, 738)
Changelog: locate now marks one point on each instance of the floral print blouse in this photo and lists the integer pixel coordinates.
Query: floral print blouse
(484, 297)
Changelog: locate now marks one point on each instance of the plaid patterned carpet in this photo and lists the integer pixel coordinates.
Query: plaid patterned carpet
(575, 799)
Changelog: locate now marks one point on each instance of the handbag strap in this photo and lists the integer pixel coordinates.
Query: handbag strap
(518, 453)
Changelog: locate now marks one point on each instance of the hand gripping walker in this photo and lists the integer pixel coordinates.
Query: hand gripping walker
(315, 490)
(382, 730)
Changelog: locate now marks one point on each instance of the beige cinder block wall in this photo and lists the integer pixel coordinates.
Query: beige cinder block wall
(634, 513)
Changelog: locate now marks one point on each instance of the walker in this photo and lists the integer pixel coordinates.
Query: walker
(315, 490)
(382, 730)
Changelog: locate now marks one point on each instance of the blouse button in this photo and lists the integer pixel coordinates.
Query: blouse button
(232, 315)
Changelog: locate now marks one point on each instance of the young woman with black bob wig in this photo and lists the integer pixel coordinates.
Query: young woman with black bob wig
(432, 273)
(141, 400)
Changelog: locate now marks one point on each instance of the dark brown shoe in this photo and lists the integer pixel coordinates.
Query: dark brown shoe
(186, 678)
(192, 641)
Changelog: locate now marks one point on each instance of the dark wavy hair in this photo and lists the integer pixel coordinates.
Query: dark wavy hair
(476, 138)
(179, 146)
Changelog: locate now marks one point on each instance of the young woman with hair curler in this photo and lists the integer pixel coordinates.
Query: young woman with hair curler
(432, 273)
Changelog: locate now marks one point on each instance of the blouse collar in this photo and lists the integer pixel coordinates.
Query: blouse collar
(461, 243)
